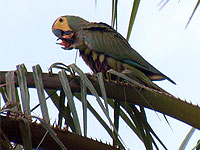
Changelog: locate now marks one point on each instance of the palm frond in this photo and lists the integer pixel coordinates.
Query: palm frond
(114, 13)
(68, 93)
(187, 138)
(37, 75)
(21, 77)
(196, 6)
(133, 94)
(132, 18)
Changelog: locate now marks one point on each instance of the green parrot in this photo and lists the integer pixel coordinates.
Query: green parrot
(103, 48)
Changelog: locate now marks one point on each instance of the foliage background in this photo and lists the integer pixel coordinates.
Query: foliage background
(159, 36)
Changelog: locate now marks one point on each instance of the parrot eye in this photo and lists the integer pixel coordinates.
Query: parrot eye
(60, 20)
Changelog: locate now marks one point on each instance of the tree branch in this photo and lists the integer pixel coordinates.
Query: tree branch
(10, 126)
(160, 102)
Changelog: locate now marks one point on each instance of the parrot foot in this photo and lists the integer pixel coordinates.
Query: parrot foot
(111, 77)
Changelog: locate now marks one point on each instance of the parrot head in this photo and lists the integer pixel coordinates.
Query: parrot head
(62, 30)
(65, 28)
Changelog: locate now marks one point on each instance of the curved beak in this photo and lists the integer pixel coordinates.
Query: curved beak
(60, 33)
(65, 36)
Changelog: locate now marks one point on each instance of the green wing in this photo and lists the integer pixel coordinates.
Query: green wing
(104, 39)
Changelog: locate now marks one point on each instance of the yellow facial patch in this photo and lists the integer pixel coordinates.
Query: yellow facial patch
(62, 24)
